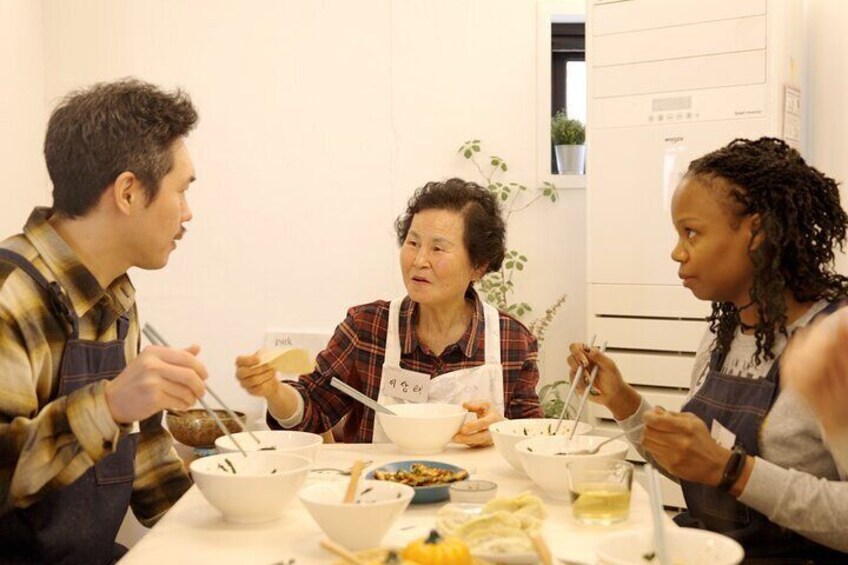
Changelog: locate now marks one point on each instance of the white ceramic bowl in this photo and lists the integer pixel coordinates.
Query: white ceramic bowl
(261, 486)
(359, 525)
(548, 470)
(282, 441)
(422, 429)
(685, 545)
(507, 433)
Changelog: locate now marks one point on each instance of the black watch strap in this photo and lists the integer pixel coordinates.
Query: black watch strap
(733, 469)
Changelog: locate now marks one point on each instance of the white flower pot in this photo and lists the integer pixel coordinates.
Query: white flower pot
(571, 159)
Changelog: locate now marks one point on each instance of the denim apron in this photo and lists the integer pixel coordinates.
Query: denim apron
(77, 523)
(740, 404)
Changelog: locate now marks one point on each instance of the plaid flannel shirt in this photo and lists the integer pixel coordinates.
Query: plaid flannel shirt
(44, 444)
(356, 351)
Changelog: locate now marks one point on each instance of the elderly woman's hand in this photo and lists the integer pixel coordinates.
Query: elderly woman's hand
(476, 433)
(258, 380)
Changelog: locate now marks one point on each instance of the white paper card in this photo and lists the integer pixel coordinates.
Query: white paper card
(792, 116)
(722, 435)
(409, 386)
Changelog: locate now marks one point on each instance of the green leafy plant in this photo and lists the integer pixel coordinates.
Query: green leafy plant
(566, 131)
(550, 399)
(499, 287)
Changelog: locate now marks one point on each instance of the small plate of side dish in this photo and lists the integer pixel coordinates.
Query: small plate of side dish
(430, 479)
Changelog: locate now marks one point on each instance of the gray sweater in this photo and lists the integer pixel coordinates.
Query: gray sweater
(795, 481)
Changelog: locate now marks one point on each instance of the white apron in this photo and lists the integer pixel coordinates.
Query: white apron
(476, 384)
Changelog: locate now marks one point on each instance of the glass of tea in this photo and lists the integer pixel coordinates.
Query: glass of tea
(600, 490)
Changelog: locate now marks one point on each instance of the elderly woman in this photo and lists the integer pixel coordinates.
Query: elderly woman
(441, 334)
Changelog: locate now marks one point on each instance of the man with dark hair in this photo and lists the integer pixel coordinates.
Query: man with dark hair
(81, 436)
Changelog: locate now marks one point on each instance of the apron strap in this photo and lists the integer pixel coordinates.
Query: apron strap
(830, 309)
(493, 334)
(392, 358)
(124, 327)
(716, 360)
(56, 299)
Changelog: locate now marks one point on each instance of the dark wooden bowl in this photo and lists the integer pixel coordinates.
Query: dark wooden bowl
(196, 428)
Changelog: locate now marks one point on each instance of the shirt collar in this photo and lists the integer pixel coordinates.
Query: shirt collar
(76, 280)
(470, 341)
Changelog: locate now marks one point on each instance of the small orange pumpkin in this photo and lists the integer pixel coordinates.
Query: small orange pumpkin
(436, 550)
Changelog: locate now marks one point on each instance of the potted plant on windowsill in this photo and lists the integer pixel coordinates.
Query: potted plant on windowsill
(568, 137)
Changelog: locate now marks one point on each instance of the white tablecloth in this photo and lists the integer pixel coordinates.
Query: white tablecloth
(194, 532)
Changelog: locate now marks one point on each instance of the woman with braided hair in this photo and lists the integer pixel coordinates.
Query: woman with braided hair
(757, 228)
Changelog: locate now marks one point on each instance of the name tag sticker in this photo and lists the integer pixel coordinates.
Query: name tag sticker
(722, 435)
(409, 386)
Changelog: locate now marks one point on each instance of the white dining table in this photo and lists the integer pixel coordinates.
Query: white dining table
(194, 532)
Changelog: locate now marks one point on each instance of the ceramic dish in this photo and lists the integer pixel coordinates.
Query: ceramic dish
(378, 504)
(251, 489)
(285, 441)
(434, 493)
(685, 545)
(507, 433)
(196, 428)
(422, 429)
(546, 458)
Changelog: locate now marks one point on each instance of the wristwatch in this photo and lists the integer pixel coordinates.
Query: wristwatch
(733, 469)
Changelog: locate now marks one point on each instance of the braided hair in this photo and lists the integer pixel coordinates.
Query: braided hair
(801, 222)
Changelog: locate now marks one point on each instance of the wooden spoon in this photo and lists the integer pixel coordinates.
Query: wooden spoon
(355, 472)
(342, 552)
(542, 549)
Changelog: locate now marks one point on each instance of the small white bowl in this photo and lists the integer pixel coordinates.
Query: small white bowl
(250, 489)
(507, 433)
(281, 441)
(358, 525)
(685, 545)
(472, 491)
(422, 429)
(548, 470)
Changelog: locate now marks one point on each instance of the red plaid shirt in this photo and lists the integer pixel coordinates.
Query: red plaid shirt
(356, 351)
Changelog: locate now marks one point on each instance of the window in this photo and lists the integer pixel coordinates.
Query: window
(568, 72)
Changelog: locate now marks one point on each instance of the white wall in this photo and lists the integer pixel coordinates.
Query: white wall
(318, 119)
(22, 112)
(827, 80)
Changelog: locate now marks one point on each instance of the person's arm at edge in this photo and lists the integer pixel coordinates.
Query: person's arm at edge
(816, 508)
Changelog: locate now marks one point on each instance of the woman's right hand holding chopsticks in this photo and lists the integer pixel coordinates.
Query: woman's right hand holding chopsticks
(612, 390)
